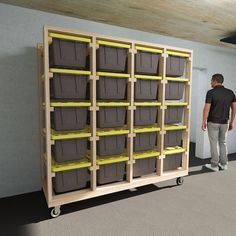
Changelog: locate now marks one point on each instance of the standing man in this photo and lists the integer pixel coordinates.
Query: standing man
(216, 111)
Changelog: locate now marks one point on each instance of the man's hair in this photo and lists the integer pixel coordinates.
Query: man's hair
(219, 78)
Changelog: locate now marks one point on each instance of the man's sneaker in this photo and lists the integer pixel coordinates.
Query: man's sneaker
(223, 167)
(208, 166)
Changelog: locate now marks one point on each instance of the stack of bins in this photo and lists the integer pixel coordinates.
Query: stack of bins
(175, 70)
(145, 115)
(111, 90)
(68, 93)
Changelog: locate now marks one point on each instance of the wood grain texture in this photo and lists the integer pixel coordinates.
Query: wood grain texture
(202, 21)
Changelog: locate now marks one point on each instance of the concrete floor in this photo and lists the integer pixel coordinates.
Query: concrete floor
(204, 205)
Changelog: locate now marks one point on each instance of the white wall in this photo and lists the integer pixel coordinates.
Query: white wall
(21, 30)
(199, 85)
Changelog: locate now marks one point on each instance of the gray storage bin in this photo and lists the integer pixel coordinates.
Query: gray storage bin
(146, 62)
(174, 90)
(67, 54)
(144, 166)
(111, 58)
(173, 138)
(67, 86)
(111, 145)
(70, 180)
(69, 118)
(111, 88)
(174, 114)
(172, 162)
(145, 115)
(175, 66)
(109, 117)
(111, 173)
(145, 89)
(145, 141)
(69, 149)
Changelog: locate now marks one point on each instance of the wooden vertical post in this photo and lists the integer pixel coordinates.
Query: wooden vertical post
(93, 113)
(187, 110)
(47, 113)
(161, 116)
(41, 95)
(130, 121)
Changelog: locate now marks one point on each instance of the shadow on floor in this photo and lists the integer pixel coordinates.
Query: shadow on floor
(32, 208)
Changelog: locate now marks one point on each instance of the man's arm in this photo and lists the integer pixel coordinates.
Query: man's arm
(233, 113)
(205, 114)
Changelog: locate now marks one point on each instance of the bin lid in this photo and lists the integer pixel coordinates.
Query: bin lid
(146, 129)
(144, 104)
(176, 103)
(178, 53)
(69, 71)
(111, 74)
(70, 104)
(174, 150)
(150, 77)
(177, 79)
(149, 49)
(112, 131)
(103, 160)
(146, 154)
(69, 37)
(58, 135)
(112, 104)
(175, 127)
(70, 165)
(113, 44)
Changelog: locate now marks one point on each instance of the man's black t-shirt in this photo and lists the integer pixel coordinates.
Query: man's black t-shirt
(220, 99)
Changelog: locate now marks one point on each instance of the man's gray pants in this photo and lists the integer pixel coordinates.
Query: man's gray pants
(217, 134)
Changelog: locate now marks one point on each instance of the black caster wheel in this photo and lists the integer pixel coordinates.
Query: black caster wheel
(180, 180)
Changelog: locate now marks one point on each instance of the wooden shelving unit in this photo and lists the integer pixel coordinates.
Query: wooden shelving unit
(48, 136)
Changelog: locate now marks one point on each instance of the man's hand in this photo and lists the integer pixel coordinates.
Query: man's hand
(231, 125)
(206, 110)
(204, 126)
